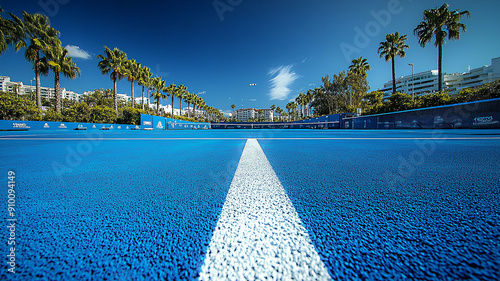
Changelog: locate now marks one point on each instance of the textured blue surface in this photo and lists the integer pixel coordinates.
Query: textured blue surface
(147, 207)
(372, 215)
(128, 210)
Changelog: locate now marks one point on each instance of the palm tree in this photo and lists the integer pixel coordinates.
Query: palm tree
(59, 62)
(194, 102)
(309, 99)
(289, 107)
(36, 35)
(181, 94)
(144, 80)
(133, 72)
(440, 23)
(394, 45)
(115, 62)
(188, 100)
(158, 86)
(359, 66)
(300, 100)
(172, 92)
(279, 111)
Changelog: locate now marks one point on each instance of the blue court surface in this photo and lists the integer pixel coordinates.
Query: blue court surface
(252, 204)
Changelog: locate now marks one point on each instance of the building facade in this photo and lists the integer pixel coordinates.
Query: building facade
(45, 92)
(426, 82)
(251, 113)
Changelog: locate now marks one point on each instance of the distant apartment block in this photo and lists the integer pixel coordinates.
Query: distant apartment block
(427, 82)
(251, 113)
(18, 87)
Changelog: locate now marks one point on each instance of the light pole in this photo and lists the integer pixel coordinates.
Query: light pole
(412, 83)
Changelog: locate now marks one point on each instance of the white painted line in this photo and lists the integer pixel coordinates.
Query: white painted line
(259, 235)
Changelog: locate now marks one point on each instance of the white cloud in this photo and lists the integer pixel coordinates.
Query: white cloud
(202, 93)
(283, 77)
(252, 99)
(76, 52)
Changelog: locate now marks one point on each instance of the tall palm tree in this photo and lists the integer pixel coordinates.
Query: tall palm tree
(114, 61)
(359, 66)
(309, 99)
(158, 86)
(294, 108)
(36, 35)
(357, 70)
(133, 72)
(59, 62)
(279, 111)
(394, 45)
(289, 107)
(440, 23)
(194, 102)
(172, 92)
(144, 80)
(300, 101)
(181, 94)
(188, 99)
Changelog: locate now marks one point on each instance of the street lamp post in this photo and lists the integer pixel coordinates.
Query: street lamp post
(412, 83)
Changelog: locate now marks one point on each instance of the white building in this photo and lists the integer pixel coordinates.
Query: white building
(8, 86)
(427, 82)
(251, 113)
(3, 83)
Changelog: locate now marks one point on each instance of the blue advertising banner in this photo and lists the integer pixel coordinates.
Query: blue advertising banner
(19, 125)
(149, 122)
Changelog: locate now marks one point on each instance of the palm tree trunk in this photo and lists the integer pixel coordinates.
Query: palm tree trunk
(157, 106)
(142, 101)
(393, 76)
(38, 86)
(57, 88)
(180, 106)
(440, 62)
(172, 105)
(132, 100)
(189, 115)
(115, 94)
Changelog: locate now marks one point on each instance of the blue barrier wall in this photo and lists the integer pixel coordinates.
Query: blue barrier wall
(149, 122)
(60, 126)
(479, 114)
(323, 122)
(472, 115)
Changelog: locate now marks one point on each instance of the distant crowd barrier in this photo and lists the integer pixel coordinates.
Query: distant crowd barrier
(473, 115)
(151, 122)
(19, 125)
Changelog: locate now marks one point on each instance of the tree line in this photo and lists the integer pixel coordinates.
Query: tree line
(348, 90)
(44, 49)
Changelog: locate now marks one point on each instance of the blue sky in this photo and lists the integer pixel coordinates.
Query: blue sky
(218, 48)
